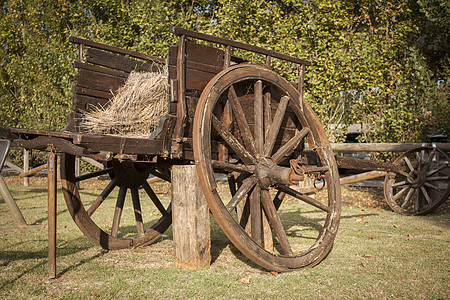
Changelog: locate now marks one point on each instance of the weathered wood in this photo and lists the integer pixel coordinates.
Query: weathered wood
(93, 162)
(12, 205)
(132, 53)
(52, 202)
(26, 166)
(226, 42)
(365, 164)
(346, 180)
(34, 170)
(190, 219)
(118, 62)
(98, 81)
(384, 147)
(13, 166)
(201, 64)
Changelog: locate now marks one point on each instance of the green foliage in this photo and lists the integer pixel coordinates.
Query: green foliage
(374, 62)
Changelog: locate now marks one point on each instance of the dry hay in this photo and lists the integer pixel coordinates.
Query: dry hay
(134, 110)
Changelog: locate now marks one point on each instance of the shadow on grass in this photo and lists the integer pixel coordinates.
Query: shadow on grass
(10, 256)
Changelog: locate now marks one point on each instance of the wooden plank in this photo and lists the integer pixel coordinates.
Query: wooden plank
(365, 164)
(202, 63)
(99, 69)
(83, 103)
(384, 147)
(190, 219)
(79, 90)
(132, 53)
(118, 62)
(226, 42)
(98, 81)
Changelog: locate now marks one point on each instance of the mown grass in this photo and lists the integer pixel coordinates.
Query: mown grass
(377, 254)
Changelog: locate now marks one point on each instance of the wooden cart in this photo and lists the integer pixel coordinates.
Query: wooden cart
(227, 116)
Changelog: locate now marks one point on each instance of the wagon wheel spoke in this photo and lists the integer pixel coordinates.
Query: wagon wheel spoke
(401, 192)
(259, 117)
(399, 184)
(432, 186)
(440, 168)
(409, 196)
(224, 166)
(279, 197)
(290, 146)
(302, 197)
(241, 193)
(232, 142)
(267, 112)
(255, 215)
(408, 163)
(431, 155)
(241, 120)
(118, 211)
(137, 211)
(275, 222)
(155, 199)
(406, 200)
(103, 195)
(275, 126)
(438, 178)
(425, 193)
(94, 174)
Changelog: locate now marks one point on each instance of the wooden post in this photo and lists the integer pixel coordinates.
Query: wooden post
(190, 219)
(26, 166)
(77, 170)
(51, 177)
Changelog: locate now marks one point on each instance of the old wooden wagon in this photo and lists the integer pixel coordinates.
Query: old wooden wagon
(228, 116)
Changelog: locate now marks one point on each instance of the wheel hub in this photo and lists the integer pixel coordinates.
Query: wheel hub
(268, 173)
(416, 179)
(130, 174)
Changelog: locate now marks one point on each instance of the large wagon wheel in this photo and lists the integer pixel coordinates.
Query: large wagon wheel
(422, 185)
(250, 125)
(116, 233)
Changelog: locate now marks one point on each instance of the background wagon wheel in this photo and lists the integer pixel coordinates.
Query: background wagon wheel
(120, 231)
(422, 185)
(250, 125)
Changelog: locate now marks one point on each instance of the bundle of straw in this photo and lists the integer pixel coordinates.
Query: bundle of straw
(134, 110)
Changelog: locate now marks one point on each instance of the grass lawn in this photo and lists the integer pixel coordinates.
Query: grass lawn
(378, 254)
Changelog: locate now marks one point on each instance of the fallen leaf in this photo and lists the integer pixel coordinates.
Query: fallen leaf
(410, 235)
(274, 273)
(363, 264)
(372, 237)
(245, 280)
(367, 255)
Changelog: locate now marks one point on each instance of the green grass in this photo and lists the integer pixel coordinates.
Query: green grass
(377, 254)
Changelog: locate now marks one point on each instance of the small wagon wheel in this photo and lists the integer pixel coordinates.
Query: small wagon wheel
(124, 177)
(250, 125)
(422, 185)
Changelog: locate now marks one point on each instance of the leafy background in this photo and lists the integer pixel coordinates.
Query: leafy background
(384, 64)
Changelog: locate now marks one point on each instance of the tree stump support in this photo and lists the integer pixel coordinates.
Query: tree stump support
(190, 219)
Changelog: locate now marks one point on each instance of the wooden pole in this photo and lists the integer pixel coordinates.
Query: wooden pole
(26, 166)
(384, 147)
(346, 180)
(52, 201)
(12, 205)
(190, 219)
